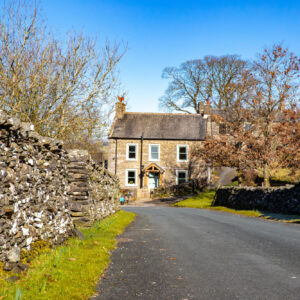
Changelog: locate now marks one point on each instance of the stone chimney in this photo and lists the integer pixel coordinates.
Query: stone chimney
(207, 107)
(120, 108)
(200, 108)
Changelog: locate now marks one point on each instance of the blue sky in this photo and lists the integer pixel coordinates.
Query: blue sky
(162, 33)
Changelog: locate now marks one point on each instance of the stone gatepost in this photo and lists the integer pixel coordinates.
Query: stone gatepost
(79, 200)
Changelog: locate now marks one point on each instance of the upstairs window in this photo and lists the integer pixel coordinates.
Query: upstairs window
(131, 153)
(154, 152)
(181, 176)
(182, 153)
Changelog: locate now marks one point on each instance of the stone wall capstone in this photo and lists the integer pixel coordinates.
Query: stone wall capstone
(285, 200)
(44, 190)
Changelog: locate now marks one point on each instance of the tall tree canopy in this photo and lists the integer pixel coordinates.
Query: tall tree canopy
(59, 86)
(220, 79)
(262, 129)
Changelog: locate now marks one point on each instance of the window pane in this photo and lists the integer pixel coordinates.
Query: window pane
(182, 149)
(154, 156)
(131, 177)
(131, 155)
(132, 151)
(182, 156)
(154, 149)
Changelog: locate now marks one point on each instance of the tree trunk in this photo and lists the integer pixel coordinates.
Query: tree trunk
(266, 176)
(240, 177)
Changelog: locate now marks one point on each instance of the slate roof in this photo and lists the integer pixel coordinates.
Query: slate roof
(160, 126)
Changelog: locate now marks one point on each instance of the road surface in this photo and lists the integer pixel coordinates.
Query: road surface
(183, 253)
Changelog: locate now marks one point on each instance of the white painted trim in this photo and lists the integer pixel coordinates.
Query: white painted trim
(187, 153)
(126, 177)
(149, 155)
(186, 175)
(127, 151)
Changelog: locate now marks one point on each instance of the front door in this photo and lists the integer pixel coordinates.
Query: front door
(153, 180)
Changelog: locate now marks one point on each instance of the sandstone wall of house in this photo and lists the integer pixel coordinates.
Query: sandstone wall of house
(168, 160)
(40, 191)
(284, 200)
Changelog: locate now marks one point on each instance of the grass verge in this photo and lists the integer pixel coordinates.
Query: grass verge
(204, 200)
(72, 270)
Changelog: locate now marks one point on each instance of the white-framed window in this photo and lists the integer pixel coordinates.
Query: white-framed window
(154, 152)
(131, 151)
(131, 177)
(181, 176)
(182, 153)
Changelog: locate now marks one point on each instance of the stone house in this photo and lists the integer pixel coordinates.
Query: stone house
(147, 150)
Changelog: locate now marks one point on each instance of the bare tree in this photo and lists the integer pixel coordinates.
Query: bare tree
(221, 79)
(59, 87)
(262, 131)
(188, 86)
(229, 78)
(277, 73)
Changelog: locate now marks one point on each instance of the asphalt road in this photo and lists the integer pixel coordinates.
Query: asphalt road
(182, 253)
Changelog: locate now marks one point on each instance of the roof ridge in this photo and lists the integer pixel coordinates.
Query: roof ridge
(160, 114)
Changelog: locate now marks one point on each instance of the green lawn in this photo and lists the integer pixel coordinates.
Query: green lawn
(72, 270)
(204, 201)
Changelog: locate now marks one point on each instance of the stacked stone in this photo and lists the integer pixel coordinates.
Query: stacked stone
(285, 200)
(43, 189)
(93, 192)
(33, 188)
(105, 191)
(79, 200)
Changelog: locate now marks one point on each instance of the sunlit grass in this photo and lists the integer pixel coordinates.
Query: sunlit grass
(281, 174)
(70, 271)
(204, 200)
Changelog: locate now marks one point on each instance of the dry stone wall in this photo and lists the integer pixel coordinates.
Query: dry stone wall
(94, 191)
(39, 185)
(285, 200)
(33, 185)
